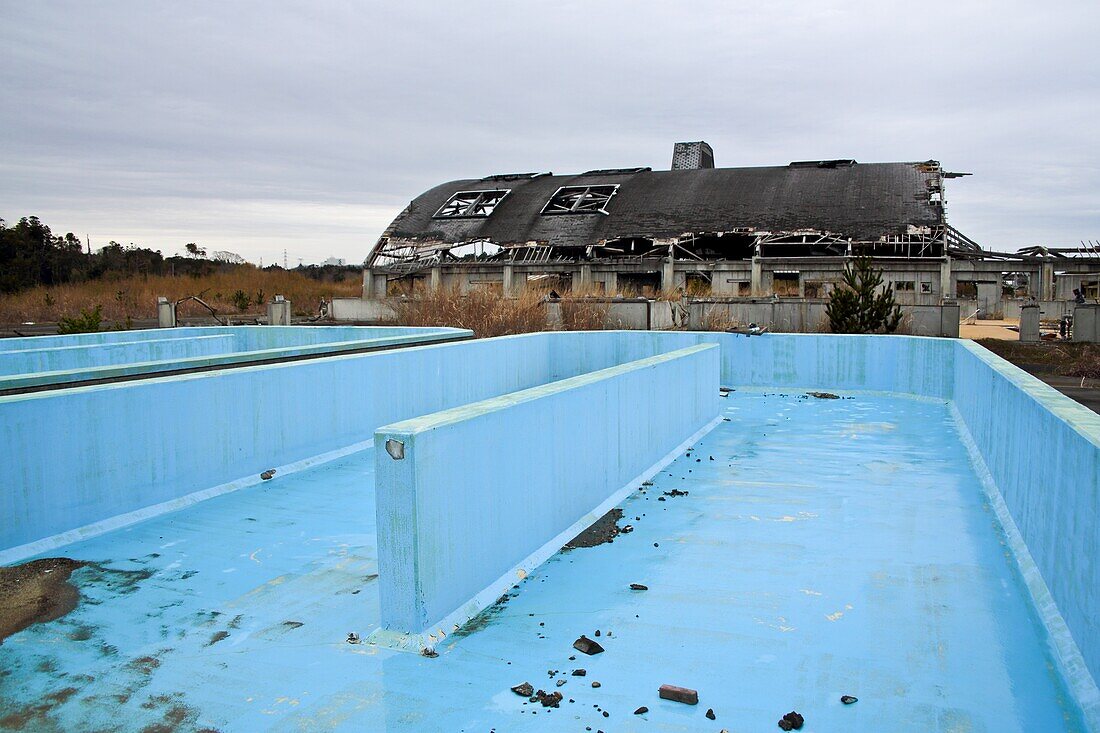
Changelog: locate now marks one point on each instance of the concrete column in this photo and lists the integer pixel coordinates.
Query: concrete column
(507, 286)
(585, 277)
(949, 319)
(668, 275)
(1086, 323)
(1046, 281)
(945, 279)
(166, 313)
(368, 284)
(1029, 323)
(757, 277)
(278, 312)
(436, 281)
(611, 282)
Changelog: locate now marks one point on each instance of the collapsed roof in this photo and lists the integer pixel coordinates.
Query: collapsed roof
(804, 208)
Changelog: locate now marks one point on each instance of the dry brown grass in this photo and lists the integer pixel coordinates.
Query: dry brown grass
(136, 297)
(483, 312)
(1065, 358)
(579, 314)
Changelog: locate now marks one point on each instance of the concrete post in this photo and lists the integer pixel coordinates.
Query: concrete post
(757, 278)
(368, 284)
(166, 313)
(668, 275)
(507, 287)
(1046, 281)
(436, 282)
(1029, 323)
(278, 312)
(946, 291)
(1086, 323)
(949, 319)
(611, 283)
(586, 278)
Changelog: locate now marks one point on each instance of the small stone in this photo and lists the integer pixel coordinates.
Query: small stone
(579, 672)
(823, 396)
(587, 646)
(595, 684)
(524, 690)
(638, 586)
(548, 699)
(660, 498)
(656, 545)
(559, 683)
(429, 653)
(642, 710)
(627, 529)
(848, 699)
(710, 714)
(679, 694)
(791, 721)
(268, 474)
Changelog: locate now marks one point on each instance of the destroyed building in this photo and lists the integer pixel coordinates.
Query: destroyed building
(782, 231)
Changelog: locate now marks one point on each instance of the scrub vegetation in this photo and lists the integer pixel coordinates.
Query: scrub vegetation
(1063, 358)
(488, 313)
(860, 304)
(51, 278)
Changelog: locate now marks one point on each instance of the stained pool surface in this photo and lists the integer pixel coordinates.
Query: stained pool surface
(825, 547)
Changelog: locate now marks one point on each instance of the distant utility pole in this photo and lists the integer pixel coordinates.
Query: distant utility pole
(88, 242)
(284, 261)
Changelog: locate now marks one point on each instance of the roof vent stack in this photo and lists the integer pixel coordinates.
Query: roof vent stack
(692, 156)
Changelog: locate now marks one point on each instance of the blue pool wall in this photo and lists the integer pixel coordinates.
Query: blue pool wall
(80, 456)
(44, 360)
(1042, 451)
(467, 508)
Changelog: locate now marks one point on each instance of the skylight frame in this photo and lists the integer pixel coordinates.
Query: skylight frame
(478, 204)
(591, 199)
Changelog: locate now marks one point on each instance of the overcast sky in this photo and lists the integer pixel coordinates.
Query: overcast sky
(258, 127)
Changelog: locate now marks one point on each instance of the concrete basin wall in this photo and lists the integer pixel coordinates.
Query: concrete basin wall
(471, 498)
(1041, 450)
(64, 358)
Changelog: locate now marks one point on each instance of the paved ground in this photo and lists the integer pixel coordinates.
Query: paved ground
(831, 547)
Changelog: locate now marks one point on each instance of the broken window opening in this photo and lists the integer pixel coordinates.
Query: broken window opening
(471, 204)
(904, 286)
(547, 282)
(785, 284)
(697, 283)
(644, 284)
(966, 289)
(580, 200)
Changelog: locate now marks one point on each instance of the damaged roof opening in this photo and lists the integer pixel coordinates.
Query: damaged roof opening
(466, 204)
(580, 200)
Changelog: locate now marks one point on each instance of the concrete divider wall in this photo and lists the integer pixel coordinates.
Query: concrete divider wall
(1042, 451)
(57, 358)
(75, 457)
(488, 490)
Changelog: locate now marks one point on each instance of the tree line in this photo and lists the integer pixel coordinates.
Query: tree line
(31, 255)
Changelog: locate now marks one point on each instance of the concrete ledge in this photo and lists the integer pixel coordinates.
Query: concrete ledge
(470, 499)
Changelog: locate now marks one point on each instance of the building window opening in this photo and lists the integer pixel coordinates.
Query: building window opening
(697, 283)
(580, 200)
(471, 204)
(785, 284)
(904, 286)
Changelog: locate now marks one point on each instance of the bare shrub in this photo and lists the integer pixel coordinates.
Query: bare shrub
(583, 314)
(485, 313)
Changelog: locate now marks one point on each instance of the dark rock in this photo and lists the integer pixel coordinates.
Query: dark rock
(627, 529)
(595, 684)
(642, 710)
(710, 714)
(848, 699)
(597, 632)
(587, 646)
(429, 653)
(580, 672)
(679, 694)
(268, 474)
(791, 721)
(638, 586)
(823, 396)
(559, 683)
(524, 690)
(548, 699)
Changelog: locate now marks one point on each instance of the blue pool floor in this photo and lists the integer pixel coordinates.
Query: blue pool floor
(831, 547)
